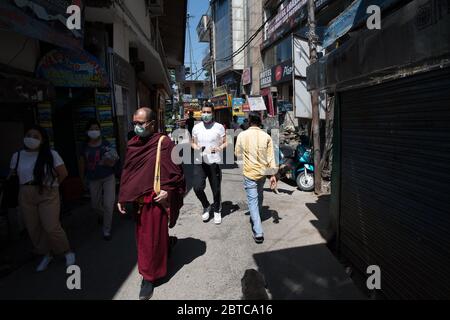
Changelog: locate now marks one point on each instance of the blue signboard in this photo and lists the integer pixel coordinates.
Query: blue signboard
(66, 68)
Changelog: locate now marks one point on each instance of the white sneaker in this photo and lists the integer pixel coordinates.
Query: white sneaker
(205, 215)
(70, 259)
(217, 218)
(44, 263)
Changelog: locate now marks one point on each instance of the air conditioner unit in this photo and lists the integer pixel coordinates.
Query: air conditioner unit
(155, 7)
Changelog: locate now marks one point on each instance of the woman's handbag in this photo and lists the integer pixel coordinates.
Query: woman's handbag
(11, 193)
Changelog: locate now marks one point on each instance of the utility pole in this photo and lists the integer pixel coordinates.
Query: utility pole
(312, 39)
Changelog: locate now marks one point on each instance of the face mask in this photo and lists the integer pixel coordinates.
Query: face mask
(31, 143)
(140, 131)
(207, 117)
(94, 134)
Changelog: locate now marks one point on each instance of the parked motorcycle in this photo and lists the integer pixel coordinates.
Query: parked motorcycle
(297, 165)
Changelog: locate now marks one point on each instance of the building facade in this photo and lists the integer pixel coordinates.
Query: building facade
(392, 101)
(61, 78)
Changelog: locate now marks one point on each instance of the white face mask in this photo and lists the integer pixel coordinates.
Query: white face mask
(31, 143)
(94, 134)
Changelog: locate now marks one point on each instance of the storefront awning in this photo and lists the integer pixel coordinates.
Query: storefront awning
(410, 40)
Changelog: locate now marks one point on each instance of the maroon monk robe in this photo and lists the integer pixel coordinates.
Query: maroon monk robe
(152, 234)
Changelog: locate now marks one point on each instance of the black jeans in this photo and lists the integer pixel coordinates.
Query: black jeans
(214, 175)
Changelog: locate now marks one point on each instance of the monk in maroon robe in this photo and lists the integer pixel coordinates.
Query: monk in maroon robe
(154, 213)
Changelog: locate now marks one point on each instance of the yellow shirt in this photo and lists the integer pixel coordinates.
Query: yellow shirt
(256, 149)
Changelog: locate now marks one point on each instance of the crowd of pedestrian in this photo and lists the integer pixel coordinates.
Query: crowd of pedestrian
(152, 185)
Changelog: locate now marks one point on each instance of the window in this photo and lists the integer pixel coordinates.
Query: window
(279, 53)
(223, 34)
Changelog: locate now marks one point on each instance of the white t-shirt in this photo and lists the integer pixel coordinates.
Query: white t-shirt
(27, 161)
(209, 136)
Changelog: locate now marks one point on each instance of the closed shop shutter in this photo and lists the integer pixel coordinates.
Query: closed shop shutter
(395, 183)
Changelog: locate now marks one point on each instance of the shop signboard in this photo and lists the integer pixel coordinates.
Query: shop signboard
(247, 76)
(66, 68)
(219, 91)
(221, 102)
(256, 103)
(282, 72)
(288, 18)
(237, 106)
(265, 78)
(278, 74)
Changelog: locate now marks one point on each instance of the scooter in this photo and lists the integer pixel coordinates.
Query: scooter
(305, 170)
(297, 165)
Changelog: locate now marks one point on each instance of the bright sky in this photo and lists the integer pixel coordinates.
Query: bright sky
(196, 8)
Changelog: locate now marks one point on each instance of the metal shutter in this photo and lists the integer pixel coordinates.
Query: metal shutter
(395, 183)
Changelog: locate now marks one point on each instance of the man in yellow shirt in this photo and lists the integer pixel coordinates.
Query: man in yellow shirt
(255, 147)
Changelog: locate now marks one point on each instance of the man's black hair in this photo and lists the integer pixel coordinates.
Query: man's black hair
(209, 105)
(254, 118)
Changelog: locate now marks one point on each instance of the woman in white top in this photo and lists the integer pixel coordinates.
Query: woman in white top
(40, 170)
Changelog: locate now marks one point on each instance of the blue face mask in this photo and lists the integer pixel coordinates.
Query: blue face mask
(140, 131)
(207, 117)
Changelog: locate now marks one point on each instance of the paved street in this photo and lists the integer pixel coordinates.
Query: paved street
(208, 261)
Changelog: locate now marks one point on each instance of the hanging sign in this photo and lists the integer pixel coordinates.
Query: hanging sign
(66, 68)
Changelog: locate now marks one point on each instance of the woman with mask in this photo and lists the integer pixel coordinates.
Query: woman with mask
(40, 171)
(97, 163)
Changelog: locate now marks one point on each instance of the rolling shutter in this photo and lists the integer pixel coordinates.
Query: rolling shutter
(395, 183)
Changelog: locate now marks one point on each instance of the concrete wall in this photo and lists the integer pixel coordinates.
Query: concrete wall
(122, 40)
(238, 31)
(254, 14)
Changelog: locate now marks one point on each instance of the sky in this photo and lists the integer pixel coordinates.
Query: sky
(196, 8)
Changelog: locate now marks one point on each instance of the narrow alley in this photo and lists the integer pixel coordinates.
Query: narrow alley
(209, 260)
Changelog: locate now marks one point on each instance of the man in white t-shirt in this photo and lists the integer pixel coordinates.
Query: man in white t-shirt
(208, 141)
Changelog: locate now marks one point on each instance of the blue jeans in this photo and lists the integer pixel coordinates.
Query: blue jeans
(255, 196)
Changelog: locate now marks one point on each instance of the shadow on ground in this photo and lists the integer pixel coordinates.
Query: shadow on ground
(185, 251)
(289, 192)
(321, 209)
(309, 272)
(267, 214)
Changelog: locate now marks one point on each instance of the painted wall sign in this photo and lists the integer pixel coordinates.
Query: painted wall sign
(66, 68)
